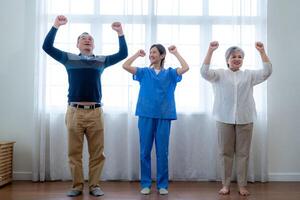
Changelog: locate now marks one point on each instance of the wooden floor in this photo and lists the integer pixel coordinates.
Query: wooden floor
(26, 190)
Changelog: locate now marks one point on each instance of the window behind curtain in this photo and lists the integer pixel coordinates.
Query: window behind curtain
(188, 24)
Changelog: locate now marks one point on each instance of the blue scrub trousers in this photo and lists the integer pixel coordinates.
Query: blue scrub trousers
(158, 129)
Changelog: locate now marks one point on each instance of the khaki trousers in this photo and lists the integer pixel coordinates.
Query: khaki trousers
(234, 139)
(82, 122)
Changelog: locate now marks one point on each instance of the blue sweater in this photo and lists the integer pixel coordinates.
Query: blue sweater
(84, 72)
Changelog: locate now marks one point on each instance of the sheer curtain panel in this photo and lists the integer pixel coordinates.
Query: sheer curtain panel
(188, 24)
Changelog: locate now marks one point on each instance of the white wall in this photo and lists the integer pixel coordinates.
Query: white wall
(17, 85)
(16, 80)
(284, 90)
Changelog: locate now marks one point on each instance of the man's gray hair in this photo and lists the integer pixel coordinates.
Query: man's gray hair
(82, 34)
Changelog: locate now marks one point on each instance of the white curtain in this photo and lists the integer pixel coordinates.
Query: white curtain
(188, 24)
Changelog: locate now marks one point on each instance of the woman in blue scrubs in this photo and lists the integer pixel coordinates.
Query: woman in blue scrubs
(155, 108)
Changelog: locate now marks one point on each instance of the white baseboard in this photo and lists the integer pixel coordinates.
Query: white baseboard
(24, 176)
(272, 176)
(284, 176)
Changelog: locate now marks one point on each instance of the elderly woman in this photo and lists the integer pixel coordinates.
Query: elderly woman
(234, 110)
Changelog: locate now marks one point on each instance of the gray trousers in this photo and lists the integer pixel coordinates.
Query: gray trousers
(234, 138)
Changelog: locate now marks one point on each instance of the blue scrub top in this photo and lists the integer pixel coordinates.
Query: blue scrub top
(156, 96)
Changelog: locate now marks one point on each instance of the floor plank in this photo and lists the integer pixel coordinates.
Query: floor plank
(118, 190)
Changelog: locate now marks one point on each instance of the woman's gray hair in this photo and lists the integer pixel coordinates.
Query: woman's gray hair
(231, 50)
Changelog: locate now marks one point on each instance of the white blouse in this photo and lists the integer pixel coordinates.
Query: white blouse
(234, 102)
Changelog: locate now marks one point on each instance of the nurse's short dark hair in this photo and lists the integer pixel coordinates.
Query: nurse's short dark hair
(162, 51)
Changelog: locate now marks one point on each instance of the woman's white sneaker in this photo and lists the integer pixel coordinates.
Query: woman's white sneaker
(163, 191)
(145, 191)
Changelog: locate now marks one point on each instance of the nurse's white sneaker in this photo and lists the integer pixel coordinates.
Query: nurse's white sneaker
(145, 191)
(163, 191)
